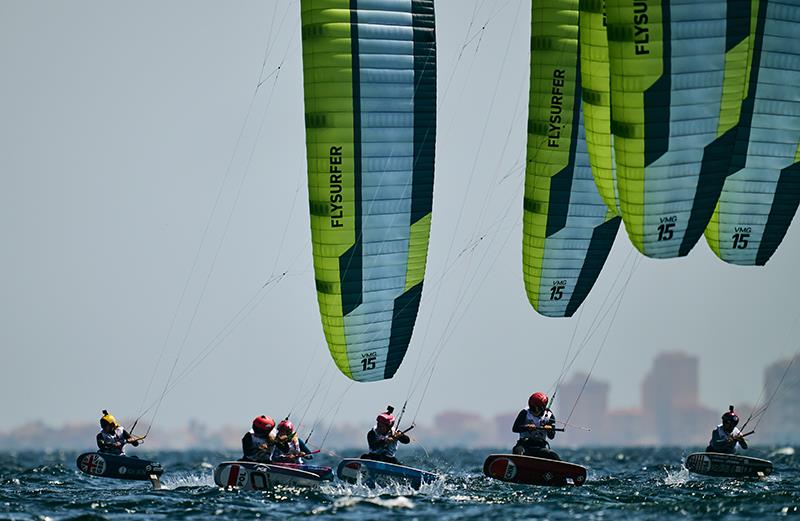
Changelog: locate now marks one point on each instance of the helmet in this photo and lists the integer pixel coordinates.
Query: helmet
(285, 426)
(263, 423)
(107, 419)
(538, 400)
(385, 418)
(731, 416)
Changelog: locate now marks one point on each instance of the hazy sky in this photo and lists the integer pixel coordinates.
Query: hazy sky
(125, 125)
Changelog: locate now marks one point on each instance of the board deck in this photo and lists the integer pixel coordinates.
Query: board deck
(117, 466)
(528, 470)
(372, 473)
(248, 475)
(728, 465)
(326, 473)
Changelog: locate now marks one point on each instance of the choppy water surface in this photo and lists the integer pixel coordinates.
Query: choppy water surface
(622, 483)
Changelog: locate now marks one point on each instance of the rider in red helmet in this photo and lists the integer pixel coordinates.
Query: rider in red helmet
(288, 447)
(257, 443)
(725, 437)
(383, 438)
(535, 425)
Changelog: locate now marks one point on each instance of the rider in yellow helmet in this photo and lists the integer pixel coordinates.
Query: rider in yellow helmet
(113, 437)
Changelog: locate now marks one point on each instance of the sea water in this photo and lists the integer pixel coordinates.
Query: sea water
(629, 483)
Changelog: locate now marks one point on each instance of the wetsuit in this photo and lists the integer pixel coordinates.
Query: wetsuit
(381, 448)
(534, 442)
(720, 441)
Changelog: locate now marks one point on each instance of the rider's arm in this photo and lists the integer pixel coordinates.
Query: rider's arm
(128, 437)
(552, 423)
(740, 439)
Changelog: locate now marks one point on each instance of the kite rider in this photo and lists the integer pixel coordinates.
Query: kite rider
(535, 426)
(257, 443)
(113, 437)
(287, 446)
(725, 437)
(383, 438)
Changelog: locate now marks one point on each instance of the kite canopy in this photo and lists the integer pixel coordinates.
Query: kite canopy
(370, 107)
(762, 190)
(676, 85)
(568, 230)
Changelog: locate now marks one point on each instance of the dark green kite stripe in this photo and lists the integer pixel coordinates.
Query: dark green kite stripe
(787, 199)
(658, 98)
(351, 262)
(599, 248)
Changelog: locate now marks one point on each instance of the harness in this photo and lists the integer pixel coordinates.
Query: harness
(388, 449)
(107, 440)
(538, 435)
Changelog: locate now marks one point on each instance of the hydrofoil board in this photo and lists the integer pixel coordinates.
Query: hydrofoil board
(728, 465)
(248, 475)
(119, 466)
(371, 473)
(528, 470)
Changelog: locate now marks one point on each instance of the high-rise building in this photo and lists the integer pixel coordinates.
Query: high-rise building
(590, 411)
(781, 421)
(672, 382)
(503, 435)
(627, 427)
(670, 403)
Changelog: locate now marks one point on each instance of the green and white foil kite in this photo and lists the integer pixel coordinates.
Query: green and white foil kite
(676, 88)
(762, 191)
(567, 229)
(596, 99)
(370, 101)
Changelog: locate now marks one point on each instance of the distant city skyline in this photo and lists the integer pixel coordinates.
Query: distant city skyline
(154, 221)
(670, 411)
(664, 418)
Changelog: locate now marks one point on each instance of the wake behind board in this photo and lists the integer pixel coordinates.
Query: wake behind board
(727, 465)
(120, 467)
(248, 475)
(528, 470)
(372, 473)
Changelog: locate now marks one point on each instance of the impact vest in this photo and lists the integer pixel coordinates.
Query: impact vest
(719, 440)
(388, 449)
(288, 447)
(253, 452)
(106, 441)
(540, 421)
